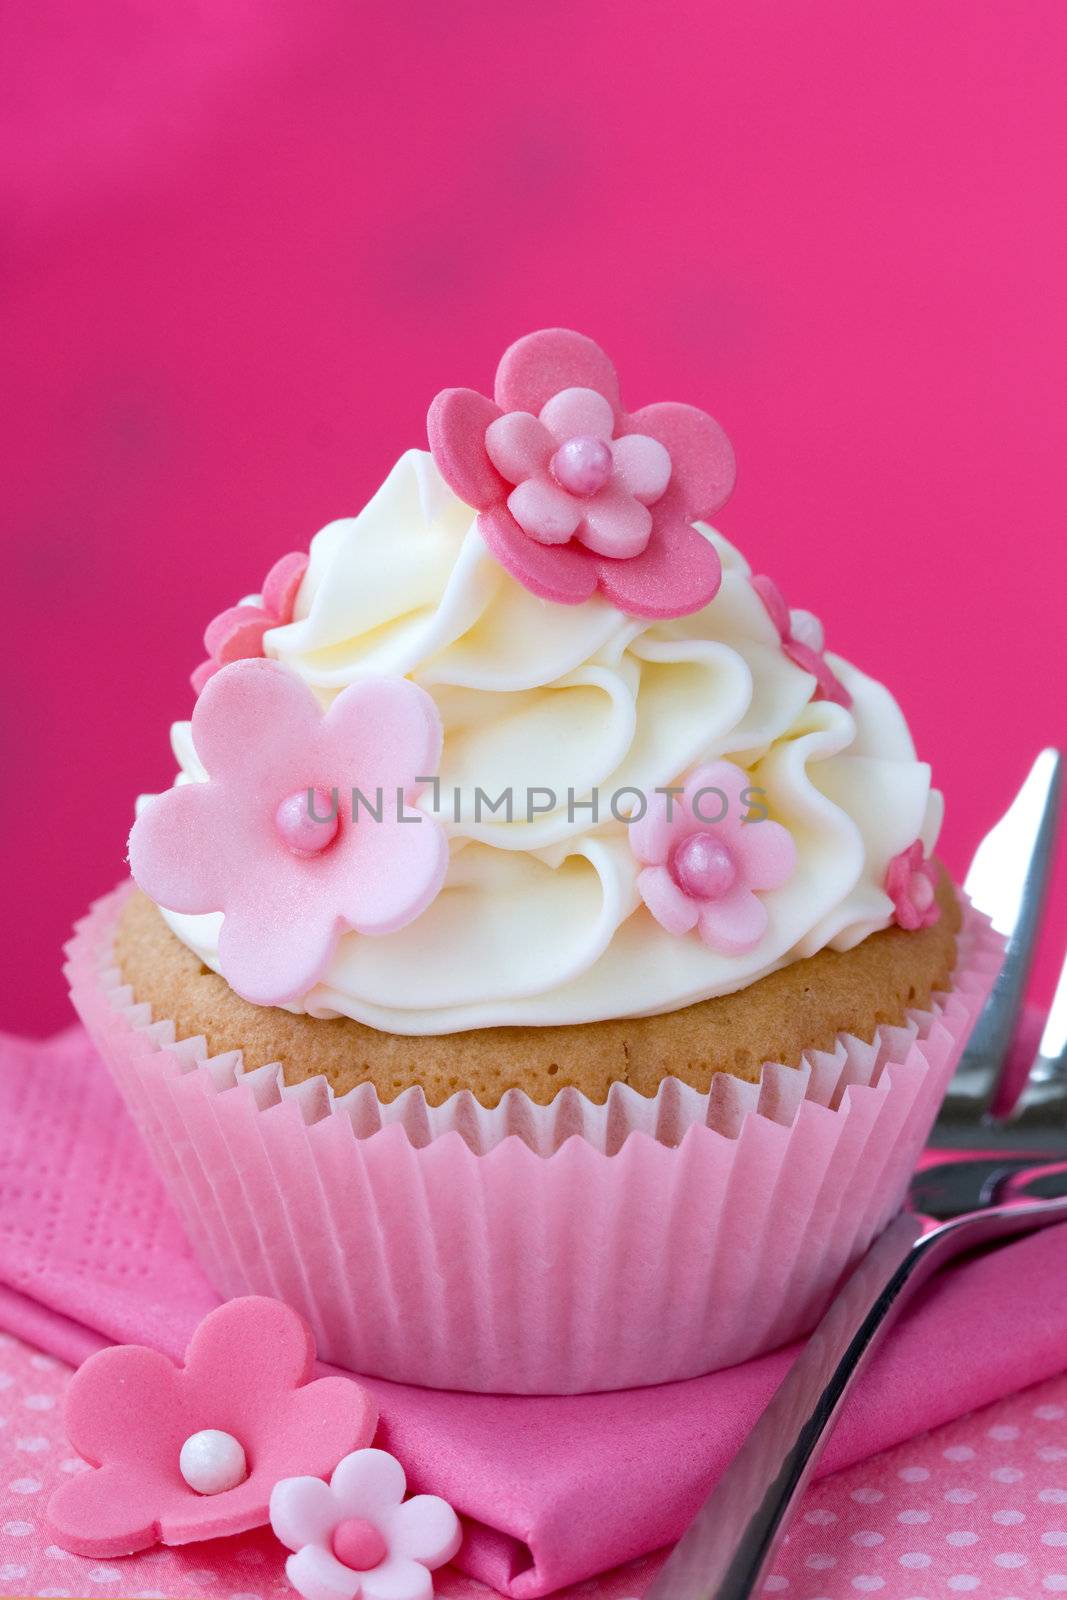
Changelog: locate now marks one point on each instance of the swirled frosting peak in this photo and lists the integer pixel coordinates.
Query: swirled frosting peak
(564, 730)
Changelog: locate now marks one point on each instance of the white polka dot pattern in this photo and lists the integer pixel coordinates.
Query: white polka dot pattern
(35, 1456)
(978, 1507)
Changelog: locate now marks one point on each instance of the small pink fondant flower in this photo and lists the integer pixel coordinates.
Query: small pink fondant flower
(357, 1535)
(911, 884)
(576, 494)
(702, 861)
(802, 641)
(274, 839)
(236, 634)
(192, 1452)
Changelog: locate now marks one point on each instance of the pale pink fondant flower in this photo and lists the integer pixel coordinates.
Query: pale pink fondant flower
(273, 839)
(802, 641)
(240, 1414)
(357, 1536)
(702, 861)
(911, 884)
(574, 493)
(236, 634)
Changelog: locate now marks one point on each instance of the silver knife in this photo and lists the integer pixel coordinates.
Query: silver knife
(1007, 880)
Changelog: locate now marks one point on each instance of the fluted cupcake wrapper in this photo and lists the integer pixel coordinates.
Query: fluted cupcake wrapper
(535, 1249)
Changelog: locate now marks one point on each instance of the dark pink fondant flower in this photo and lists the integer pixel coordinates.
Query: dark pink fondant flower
(274, 839)
(236, 634)
(911, 884)
(702, 863)
(802, 642)
(574, 493)
(193, 1451)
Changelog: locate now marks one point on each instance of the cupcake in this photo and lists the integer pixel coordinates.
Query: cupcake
(539, 972)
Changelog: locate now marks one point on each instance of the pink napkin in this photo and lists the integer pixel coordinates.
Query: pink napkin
(554, 1490)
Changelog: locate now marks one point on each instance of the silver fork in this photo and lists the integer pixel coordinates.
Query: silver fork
(725, 1552)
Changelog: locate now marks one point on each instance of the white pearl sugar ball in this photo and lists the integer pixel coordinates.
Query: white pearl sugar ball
(212, 1462)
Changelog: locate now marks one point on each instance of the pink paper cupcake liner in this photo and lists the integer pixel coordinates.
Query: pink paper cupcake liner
(535, 1249)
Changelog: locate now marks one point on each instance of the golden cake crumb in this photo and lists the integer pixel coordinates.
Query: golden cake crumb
(803, 1006)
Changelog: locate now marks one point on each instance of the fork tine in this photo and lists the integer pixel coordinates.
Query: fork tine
(1007, 880)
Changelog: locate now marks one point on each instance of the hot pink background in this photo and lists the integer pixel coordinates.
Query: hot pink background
(245, 245)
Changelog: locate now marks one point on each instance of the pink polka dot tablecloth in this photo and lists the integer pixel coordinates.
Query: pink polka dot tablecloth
(977, 1507)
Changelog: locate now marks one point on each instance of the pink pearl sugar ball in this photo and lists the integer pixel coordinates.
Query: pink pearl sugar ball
(298, 822)
(703, 867)
(358, 1544)
(582, 465)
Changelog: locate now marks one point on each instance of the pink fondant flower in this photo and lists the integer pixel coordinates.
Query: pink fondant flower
(911, 884)
(357, 1535)
(576, 494)
(274, 839)
(193, 1452)
(236, 634)
(702, 861)
(802, 641)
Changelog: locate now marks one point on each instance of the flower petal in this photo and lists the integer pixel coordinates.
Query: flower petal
(678, 572)
(541, 364)
(308, 1430)
(671, 908)
(735, 923)
(566, 574)
(544, 511)
(391, 870)
(456, 426)
(174, 848)
(397, 1578)
(282, 584)
(381, 733)
(768, 853)
(615, 524)
(642, 465)
(200, 675)
(236, 634)
(246, 713)
(897, 877)
(368, 1483)
(578, 411)
(110, 1512)
(666, 820)
(828, 687)
(250, 1322)
(805, 628)
(519, 446)
(426, 1529)
(730, 782)
(703, 468)
(148, 1383)
(774, 601)
(303, 1511)
(908, 917)
(318, 1575)
(273, 944)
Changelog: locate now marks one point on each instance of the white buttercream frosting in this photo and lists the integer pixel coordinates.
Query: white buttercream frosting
(539, 920)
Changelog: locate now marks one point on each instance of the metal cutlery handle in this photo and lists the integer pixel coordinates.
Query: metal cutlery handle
(725, 1552)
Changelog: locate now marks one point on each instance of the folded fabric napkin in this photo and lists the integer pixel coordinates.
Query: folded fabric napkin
(554, 1490)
